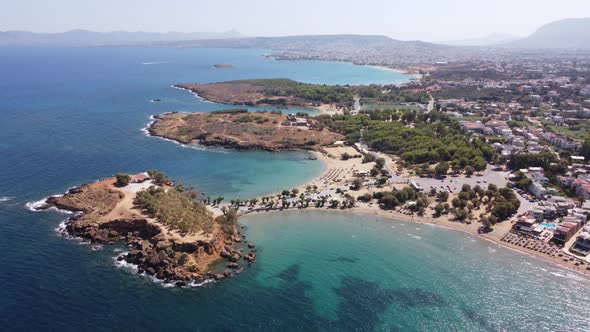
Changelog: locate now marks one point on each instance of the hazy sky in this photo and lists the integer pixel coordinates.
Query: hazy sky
(432, 20)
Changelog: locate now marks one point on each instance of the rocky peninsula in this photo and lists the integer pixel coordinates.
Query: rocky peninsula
(240, 129)
(170, 234)
(275, 92)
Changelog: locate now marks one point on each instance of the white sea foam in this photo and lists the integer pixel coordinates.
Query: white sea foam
(415, 236)
(5, 199)
(574, 276)
(145, 129)
(36, 206)
(133, 268)
(61, 229)
(155, 62)
(194, 94)
(96, 247)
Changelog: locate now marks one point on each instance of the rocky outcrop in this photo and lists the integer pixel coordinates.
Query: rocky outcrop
(112, 231)
(174, 261)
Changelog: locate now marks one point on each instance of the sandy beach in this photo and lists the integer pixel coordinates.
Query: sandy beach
(339, 173)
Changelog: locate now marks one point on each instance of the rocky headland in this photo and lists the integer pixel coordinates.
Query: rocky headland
(105, 213)
(238, 129)
(273, 92)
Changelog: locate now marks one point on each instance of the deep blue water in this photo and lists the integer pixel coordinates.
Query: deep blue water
(69, 116)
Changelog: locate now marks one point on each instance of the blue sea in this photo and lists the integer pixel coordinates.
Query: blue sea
(73, 115)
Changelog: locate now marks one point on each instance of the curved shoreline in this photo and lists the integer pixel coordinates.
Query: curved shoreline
(495, 237)
(395, 217)
(403, 71)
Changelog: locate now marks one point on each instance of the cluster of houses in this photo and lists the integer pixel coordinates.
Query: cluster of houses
(562, 141)
(580, 185)
(515, 139)
(520, 139)
(557, 220)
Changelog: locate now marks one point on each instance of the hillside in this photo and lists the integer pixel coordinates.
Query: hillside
(565, 34)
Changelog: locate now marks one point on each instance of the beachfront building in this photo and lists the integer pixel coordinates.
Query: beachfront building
(565, 231)
(582, 245)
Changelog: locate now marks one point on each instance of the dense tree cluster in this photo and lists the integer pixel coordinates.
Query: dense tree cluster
(277, 92)
(501, 203)
(179, 210)
(332, 94)
(525, 160)
(390, 94)
(416, 138)
(391, 199)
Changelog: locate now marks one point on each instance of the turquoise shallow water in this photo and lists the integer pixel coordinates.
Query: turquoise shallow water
(368, 272)
(69, 116)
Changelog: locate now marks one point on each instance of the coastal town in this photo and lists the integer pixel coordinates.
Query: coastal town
(534, 115)
(499, 156)
(295, 165)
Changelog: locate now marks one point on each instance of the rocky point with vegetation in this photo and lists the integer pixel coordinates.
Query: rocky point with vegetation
(241, 129)
(170, 233)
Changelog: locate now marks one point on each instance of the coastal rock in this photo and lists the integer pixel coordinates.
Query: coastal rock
(186, 247)
(233, 265)
(145, 245)
(234, 257)
(209, 248)
(251, 245)
(250, 257)
(153, 259)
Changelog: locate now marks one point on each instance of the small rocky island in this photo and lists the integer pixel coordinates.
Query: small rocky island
(170, 233)
(240, 129)
(223, 66)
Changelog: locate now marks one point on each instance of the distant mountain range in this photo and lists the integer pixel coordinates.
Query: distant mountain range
(564, 34)
(573, 33)
(489, 40)
(306, 42)
(92, 38)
